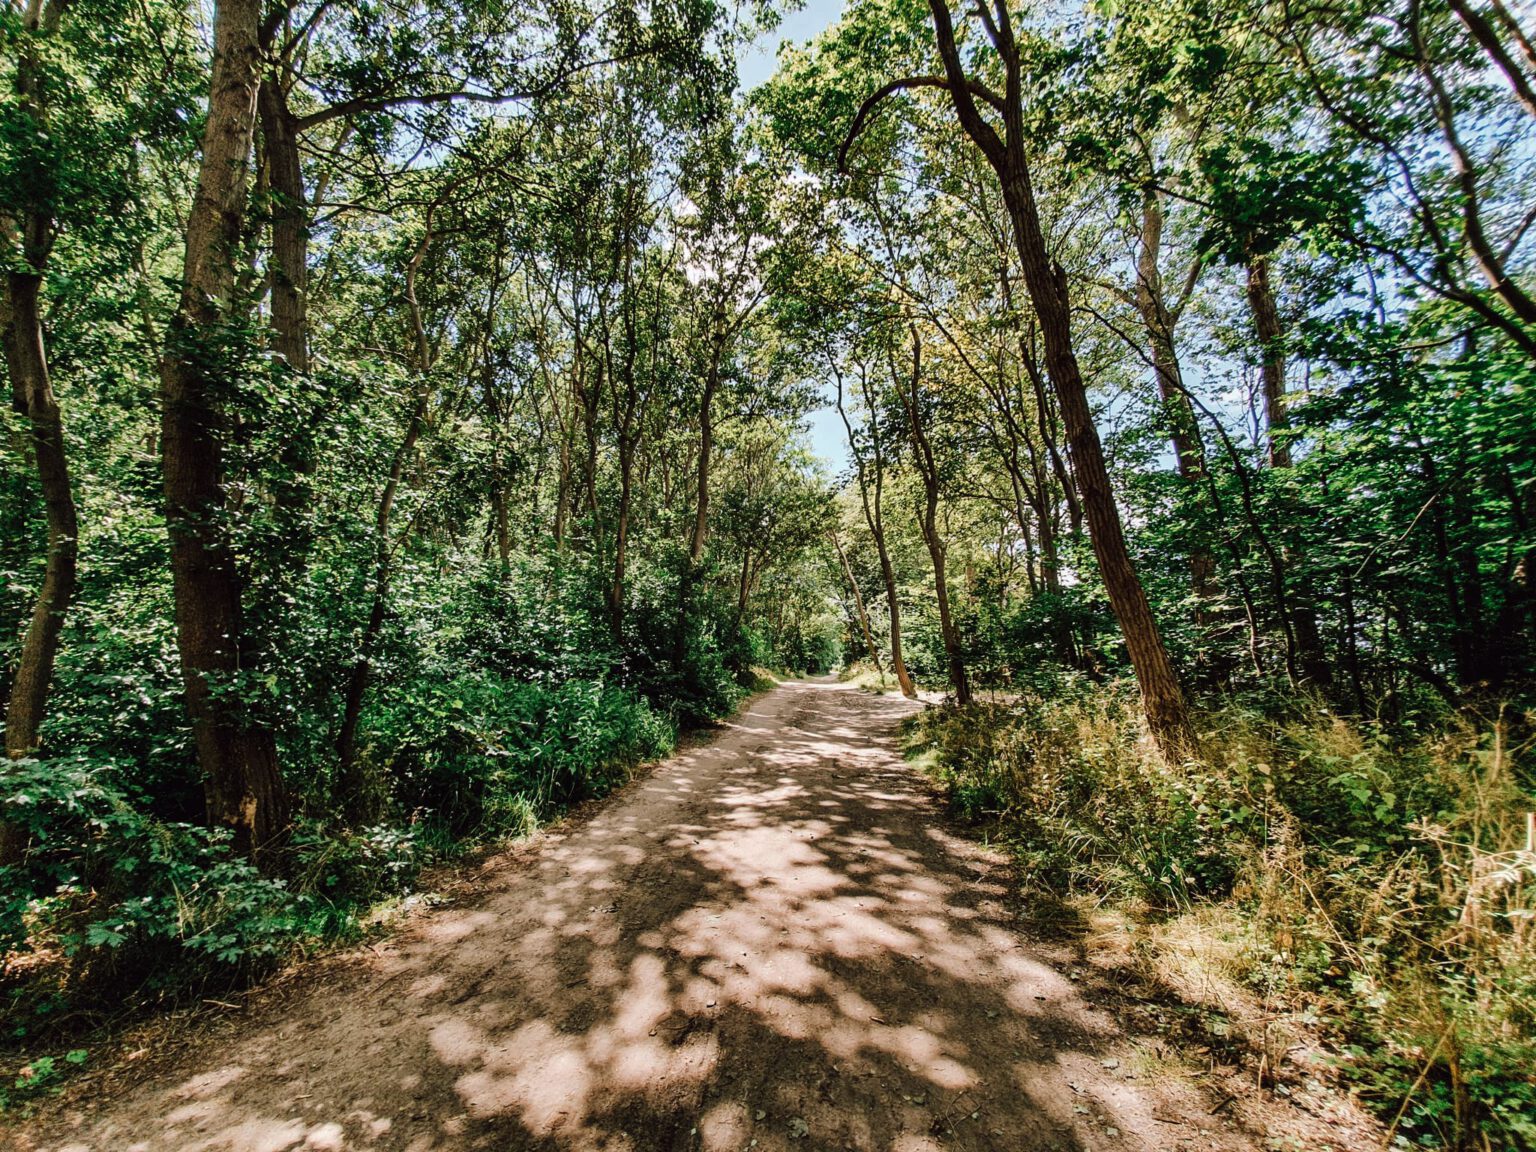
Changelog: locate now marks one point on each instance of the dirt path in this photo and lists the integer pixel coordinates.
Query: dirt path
(770, 942)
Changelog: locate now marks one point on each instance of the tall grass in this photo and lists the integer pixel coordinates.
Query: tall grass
(1381, 875)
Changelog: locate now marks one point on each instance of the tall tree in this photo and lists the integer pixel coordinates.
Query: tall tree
(909, 387)
(869, 474)
(1006, 149)
(27, 233)
(236, 749)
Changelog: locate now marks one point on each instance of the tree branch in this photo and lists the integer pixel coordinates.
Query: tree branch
(985, 136)
(866, 110)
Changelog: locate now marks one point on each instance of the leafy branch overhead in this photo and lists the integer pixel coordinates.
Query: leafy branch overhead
(420, 415)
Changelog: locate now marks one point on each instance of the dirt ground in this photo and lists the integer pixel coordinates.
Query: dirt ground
(771, 942)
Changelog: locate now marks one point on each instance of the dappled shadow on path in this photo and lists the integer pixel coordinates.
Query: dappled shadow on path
(769, 943)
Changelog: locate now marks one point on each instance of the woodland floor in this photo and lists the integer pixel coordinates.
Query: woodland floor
(769, 942)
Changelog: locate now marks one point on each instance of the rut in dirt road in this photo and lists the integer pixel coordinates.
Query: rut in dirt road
(769, 943)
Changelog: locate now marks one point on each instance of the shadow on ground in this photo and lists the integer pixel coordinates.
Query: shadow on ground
(769, 943)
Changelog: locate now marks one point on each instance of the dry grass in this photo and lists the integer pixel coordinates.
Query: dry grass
(865, 677)
(1333, 893)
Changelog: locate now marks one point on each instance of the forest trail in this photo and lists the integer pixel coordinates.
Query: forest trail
(771, 942)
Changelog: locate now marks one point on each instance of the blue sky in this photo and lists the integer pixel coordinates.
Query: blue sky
(826, 430)
(757, 65)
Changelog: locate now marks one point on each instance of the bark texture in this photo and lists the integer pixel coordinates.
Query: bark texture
(237, 753)
(28, 239)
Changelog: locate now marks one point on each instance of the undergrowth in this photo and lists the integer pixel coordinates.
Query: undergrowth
(1379, 877)
(114, 910)
(864, 676)
(498, 699)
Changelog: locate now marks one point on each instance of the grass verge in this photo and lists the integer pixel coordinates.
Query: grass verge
(1368, 886)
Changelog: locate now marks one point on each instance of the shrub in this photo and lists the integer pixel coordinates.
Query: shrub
(482, 756)
(127, 897)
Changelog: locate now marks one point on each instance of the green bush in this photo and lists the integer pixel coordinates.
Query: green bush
(481, 756)
(124, 893)
(679, 660)
(138, 906)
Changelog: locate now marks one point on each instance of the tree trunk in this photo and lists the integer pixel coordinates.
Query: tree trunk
(927, 466)
(1158, 322)
(1266, 322)
(359, 796)
(959, 680)
(28, 238)
(1162, 698)
(1488, 39)
(1045, 424)
(874, 517)
(32, 397)
(290, 227)
(621, 544)
(706, 448)
(700, 532)
(236, 751)
(893, 610)
(744, 586)
(858, 604)
(1166, 710)
(1167, 713)
(1032, 486)
(501, 524)
(563, 495)
(590, 398)
(21, 331)
(288, 287)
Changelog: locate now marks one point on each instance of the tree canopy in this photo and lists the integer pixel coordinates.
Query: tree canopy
(410, 403)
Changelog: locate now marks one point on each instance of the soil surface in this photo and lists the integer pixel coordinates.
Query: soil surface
(771, 942)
